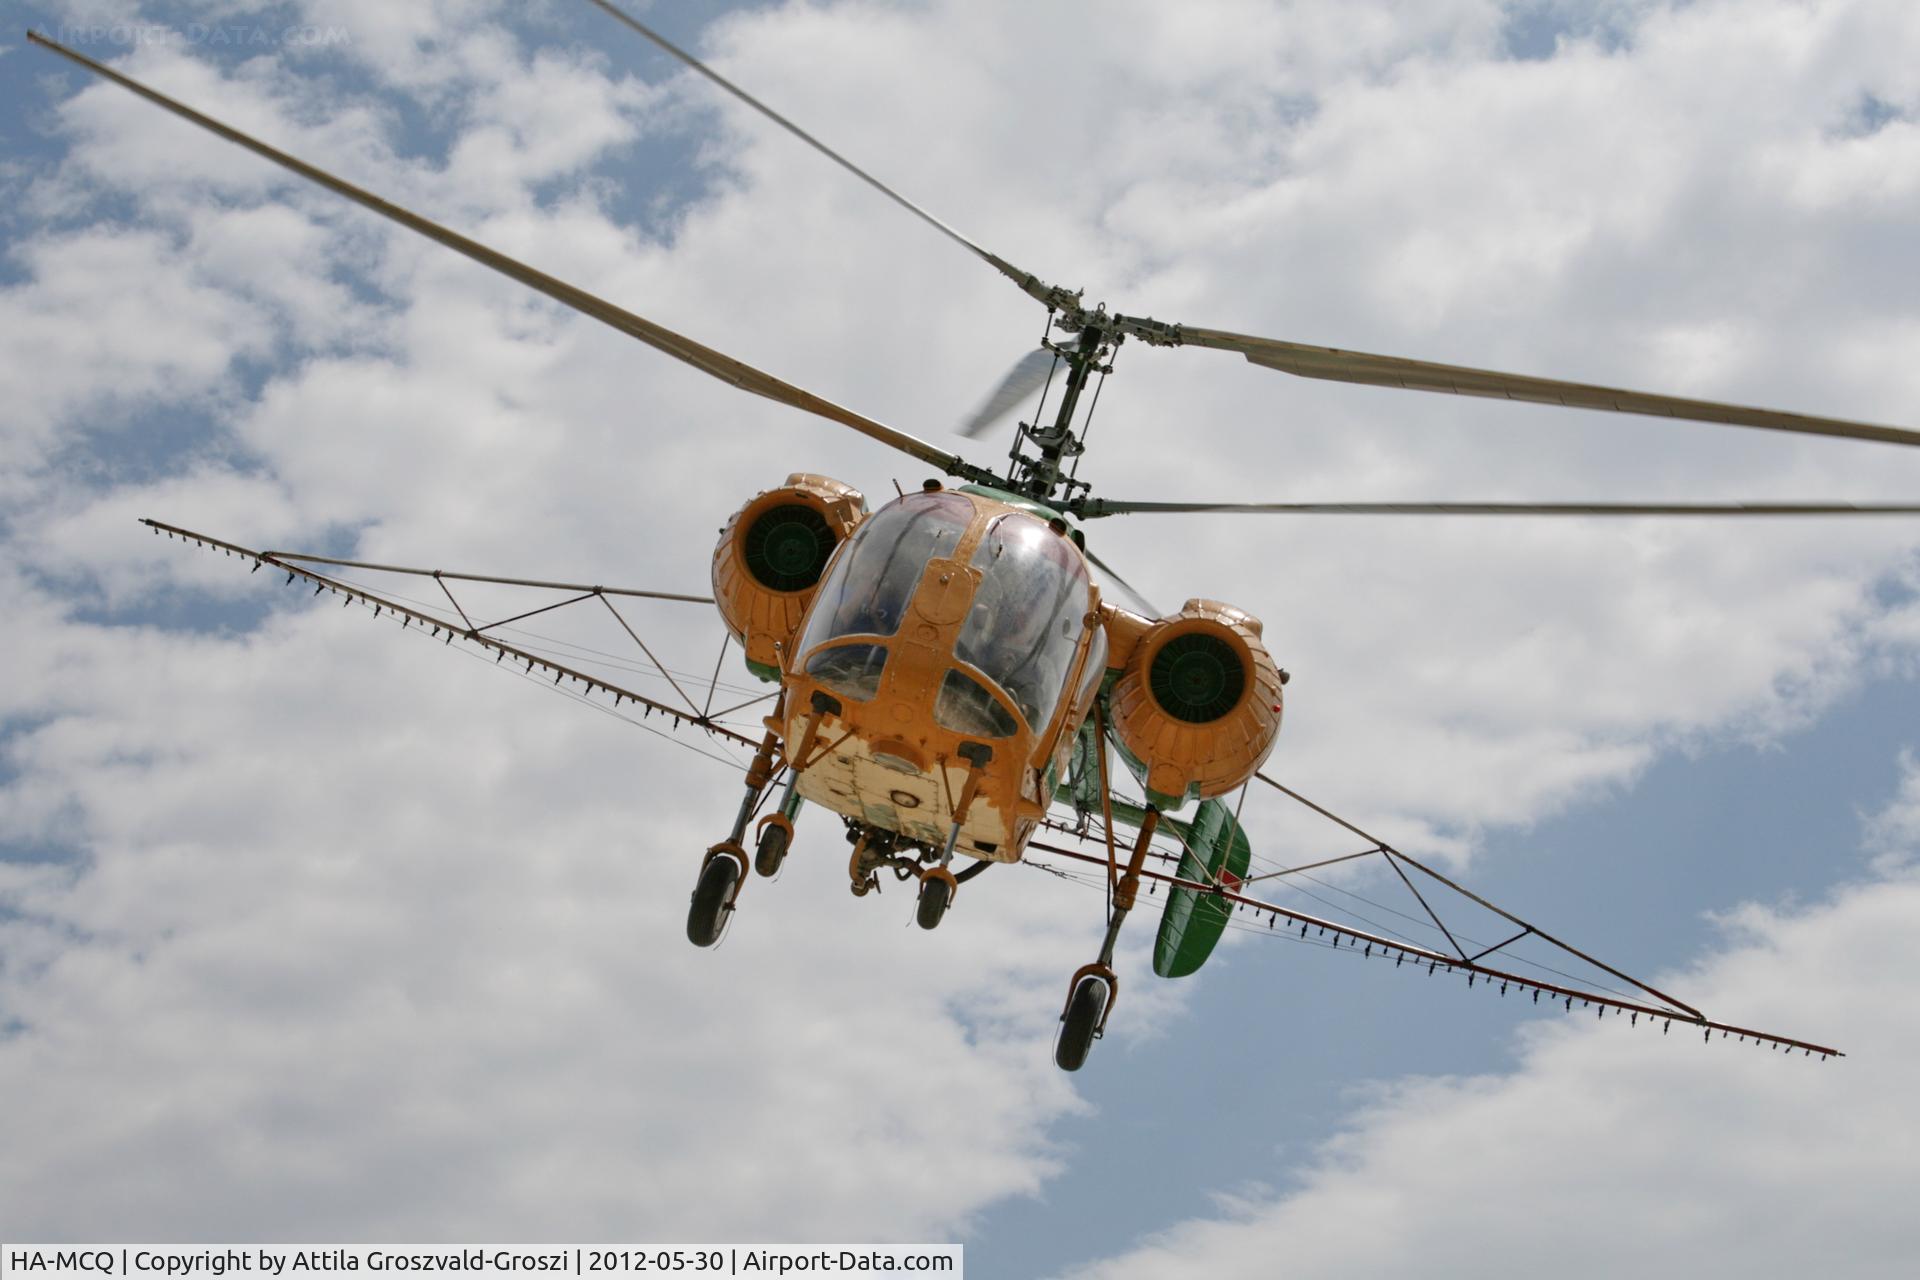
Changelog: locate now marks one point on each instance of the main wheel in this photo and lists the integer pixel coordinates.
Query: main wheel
(771, 851)
(1082, 1019)
(935, 893)
(707, 916)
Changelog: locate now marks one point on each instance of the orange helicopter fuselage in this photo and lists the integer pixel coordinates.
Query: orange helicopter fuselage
(950, 655)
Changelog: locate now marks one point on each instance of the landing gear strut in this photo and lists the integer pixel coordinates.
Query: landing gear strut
(938, 884)
(724, 871)
(1095, 987)
(775, 833)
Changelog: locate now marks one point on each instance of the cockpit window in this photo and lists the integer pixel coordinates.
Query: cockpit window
(867, 590)
(1027, 614)
(965, 706)
(852, 669)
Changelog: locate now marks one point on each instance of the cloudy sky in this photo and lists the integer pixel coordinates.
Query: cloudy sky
(309, 930)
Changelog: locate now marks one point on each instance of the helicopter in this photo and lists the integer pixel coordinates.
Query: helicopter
(947, 670)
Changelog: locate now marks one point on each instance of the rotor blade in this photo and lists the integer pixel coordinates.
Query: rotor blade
(1032, 285)
(1092, 507)
(1028, 375)
(1419, 375)
(1123, 584)
(706, 359)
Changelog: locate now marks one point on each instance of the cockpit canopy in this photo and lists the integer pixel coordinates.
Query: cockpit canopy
(1022, 627)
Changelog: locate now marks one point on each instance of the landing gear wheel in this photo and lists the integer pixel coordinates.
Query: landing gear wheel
(712, 900)
(1079, 1023)
(936, 893)
(771, 851)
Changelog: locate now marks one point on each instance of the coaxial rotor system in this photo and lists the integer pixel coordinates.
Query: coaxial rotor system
(1039, 468)
(1025, 677)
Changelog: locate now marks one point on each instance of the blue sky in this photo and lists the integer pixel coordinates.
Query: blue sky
(367, 944)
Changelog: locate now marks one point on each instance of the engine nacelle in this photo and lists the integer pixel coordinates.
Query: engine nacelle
(1197, 707)
(770, 557)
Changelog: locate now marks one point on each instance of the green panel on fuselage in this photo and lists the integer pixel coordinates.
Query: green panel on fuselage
(1217, 852)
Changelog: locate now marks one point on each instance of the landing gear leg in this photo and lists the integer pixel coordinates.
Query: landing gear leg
(1095, 987)
(724, 870)
(775, 833)
(937, 883)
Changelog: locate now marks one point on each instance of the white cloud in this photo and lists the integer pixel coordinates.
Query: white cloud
(376, 944)
(440, 952)
(172, 338)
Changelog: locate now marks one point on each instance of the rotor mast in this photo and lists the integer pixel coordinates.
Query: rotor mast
(1041, 477)
(1101, 333)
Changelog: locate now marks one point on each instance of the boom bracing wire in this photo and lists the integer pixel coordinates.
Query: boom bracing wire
(1384, 941)
(480, 635)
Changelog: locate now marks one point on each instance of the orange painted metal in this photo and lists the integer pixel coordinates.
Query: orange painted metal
(762, 619)
(1129, 887)
(1125, 631)
(797, 758)
(1211, 758)
(941, 873)
(760, 772)
(1001, 799)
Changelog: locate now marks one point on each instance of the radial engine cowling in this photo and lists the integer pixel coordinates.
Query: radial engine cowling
(1198, 706)
(770, 557)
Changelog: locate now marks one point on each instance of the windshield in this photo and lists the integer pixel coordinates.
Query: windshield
(852, 668)
(1027, 614)
(867, 590)
(965, 706)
